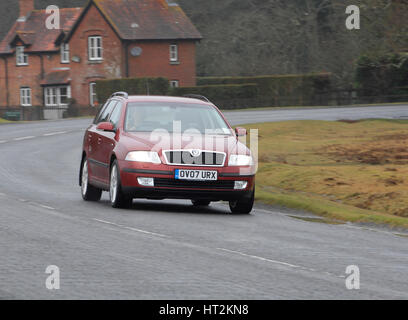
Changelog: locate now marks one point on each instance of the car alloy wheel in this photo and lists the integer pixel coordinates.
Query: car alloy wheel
(89, 192)
(117, 197)
(113, 191)
(84, 180)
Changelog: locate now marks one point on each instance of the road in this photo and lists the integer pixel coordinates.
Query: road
(168, 249)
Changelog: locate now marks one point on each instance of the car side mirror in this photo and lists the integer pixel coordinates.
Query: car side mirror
(240, 132)
(106, 126)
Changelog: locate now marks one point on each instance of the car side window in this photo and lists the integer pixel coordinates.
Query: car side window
(115, 116)
(99, 114)
(108, 111)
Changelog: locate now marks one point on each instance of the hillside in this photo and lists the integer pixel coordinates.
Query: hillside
(247, 37)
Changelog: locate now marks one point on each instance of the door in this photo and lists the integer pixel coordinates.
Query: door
(91, 142)
(108, 141)
(97, 158)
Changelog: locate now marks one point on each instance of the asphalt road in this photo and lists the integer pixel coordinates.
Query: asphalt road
(168, 249)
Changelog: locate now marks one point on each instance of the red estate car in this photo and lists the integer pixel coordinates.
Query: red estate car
(166, 147)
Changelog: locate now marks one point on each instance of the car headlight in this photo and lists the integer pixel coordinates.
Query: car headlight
(240, 160)
(143, 156)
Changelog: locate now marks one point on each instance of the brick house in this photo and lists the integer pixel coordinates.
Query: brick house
(105, 39)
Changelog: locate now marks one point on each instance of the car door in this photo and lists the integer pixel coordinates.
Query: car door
(97, 158)
(108, 140)
(91, 141)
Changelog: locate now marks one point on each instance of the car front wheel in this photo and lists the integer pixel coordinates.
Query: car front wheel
(117, 198)
(200, 203)
(243, 206)
(89, 193)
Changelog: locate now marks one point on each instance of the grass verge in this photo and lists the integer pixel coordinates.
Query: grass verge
(348, 170)
(4, 121)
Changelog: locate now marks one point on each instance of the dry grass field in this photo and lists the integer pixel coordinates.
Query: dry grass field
(347, 170)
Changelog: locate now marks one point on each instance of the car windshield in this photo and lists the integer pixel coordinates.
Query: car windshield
(174, 117)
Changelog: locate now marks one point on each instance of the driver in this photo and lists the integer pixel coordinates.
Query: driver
(135, 117)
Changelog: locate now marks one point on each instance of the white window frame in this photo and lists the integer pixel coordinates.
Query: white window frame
(174, 56)
(25, 97)
(95, 51)
(65, 53)
(174, 83)
(21, 57)
(52, 96)
(92, 94)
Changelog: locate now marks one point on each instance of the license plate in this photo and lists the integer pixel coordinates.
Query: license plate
(201, 175)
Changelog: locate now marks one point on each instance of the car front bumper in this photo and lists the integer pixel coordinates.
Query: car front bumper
(167, 187)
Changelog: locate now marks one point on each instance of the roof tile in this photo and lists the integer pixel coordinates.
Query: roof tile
(148, 19)
(35, 35)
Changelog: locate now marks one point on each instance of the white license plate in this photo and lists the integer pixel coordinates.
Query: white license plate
(201, 175)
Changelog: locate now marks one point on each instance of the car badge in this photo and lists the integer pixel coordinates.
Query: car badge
(195, 153)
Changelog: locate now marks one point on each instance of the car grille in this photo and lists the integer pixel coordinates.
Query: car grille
(205, 158)
(172, 183)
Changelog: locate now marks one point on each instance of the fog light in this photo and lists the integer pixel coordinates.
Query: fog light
(240, 185)
(146, 182)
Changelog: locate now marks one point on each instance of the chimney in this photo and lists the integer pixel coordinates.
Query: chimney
(26, 6)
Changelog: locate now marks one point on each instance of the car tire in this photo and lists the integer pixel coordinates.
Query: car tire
(243, 206)
(89, 192)
(200, 203)
(117, 198)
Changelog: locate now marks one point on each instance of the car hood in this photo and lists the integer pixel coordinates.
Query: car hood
(166, 141)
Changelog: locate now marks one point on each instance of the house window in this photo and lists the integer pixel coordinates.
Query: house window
(25, 97)
(92, 94)
(174, 53)
(95, 48)
(65, 53)
(174, 83)
(21, 57)
(57, 96)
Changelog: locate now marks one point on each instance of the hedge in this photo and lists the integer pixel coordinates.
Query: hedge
(293, 89)
(224, 96)
(220, 92)
(382, 75)
(133, 86)
(232, 92)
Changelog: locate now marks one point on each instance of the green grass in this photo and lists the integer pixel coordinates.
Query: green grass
(353, 171)
(4, 121)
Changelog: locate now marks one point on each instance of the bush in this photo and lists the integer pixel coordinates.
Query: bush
(382, 75)
(231, 92)
(224, 96)
(290, 89)
(220, 92)
(133, 86)
(72, 110)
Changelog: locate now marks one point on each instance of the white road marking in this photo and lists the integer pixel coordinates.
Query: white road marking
(281, 263)
(2, 194)
(46, 207)
(3, 141)
(260, 258)
(54, 133)
(24, 138)
(132, 229)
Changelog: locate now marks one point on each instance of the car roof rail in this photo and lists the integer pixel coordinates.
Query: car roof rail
(120, 94)
(197, 96)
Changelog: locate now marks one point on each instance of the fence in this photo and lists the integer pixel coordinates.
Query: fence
(330, 98)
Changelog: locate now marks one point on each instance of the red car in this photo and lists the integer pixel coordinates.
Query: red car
(166, 147)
